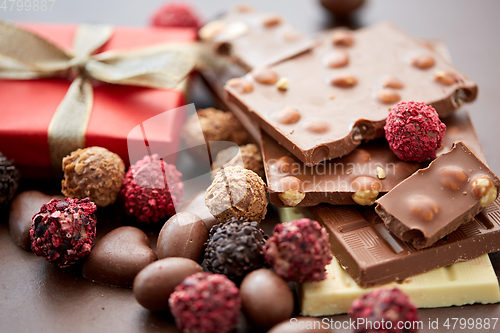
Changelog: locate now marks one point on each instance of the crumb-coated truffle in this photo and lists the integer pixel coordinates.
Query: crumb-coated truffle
(205, 303)
(94, 173)
(299, 250)
(177, 15)
(389, 306)
(237, 193)
(9, 180)
(152, 189)
(414, 131)
(250, 156)
(235, 248)
(216, 125)
(63, 231)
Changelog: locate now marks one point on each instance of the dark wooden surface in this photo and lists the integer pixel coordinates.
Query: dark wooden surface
(38, 297)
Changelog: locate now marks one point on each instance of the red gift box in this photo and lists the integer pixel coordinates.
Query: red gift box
(27, 106)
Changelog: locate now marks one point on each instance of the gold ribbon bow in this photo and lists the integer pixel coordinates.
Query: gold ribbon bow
(26, 56)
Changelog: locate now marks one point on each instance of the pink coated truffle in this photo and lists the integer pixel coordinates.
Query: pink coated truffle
(205, 303)
(63, 231)
(414, 131)
(384, 309)
(177, 15)
(152, 189)
(299, 250)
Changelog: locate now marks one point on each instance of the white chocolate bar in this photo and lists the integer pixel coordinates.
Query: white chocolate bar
(467, 282)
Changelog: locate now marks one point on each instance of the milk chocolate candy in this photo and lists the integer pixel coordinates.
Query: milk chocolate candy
(436, 200)
(337, 181)
(340, 107)
(374, 256)
(254, 39)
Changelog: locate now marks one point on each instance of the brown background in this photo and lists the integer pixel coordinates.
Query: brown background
(38, 297)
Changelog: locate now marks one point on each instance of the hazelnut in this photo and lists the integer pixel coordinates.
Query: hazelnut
(342, 38)
(423, 207)
(423, 61)
(285, 164)
(338, 58)
(242, 86)
(484, 189)
(286, 115)
(211, 29)
(317, 126)
(445, 78)
(392, 82)
(452, 178)
(367, 189)
(388, 96)
(282, 84)
(264, 75)
(272, 21)
(344, 81)
(292, 194)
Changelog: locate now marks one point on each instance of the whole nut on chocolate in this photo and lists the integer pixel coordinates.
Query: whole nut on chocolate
(452, 177)
(422, 207)
(241, 85)
(342, 37)
(293, 192)
(366, 190)
(95, 173)
(423, 61)
(264, 75)
(344, 81)
(337, 59)
(484, 189)
(388, 96)
(286, 115)
(446, 78)
(237, 193)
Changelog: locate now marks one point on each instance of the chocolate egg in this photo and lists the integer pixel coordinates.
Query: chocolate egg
(118, 257)
(154, 284)
(300, 324)
(266, 298)
(183, 235)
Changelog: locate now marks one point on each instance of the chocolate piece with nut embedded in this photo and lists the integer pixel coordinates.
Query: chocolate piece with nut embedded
(373, 256)
(343, 102)
(334, 181)
(435, 201)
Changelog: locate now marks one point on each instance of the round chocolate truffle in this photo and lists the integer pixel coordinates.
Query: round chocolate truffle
(266, 298)
(237, 193)
(183, 235)
(414, 131)
(299, 250)
(156, 282)
(215, 298)
(250, 156)
(342, 7)
(385, 305)
(64, 231)
(216, 125)
(235, 248)
(9, 180)
(93, 172)
(152, 189)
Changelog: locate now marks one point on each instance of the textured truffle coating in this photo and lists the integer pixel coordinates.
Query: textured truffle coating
(152, 189)
(9, 180)
(175, 14)
(385, 305)
(299, 250)
(237, 193)
(235, 248)
(64, 231)
(250, 155)
(414, 131)
(205, 303)
(216, 125)
(93, 172)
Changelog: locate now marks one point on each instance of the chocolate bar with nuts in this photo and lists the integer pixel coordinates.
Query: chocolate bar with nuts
(369, 171)
(435, 201)
(323, 103)
(373, 256)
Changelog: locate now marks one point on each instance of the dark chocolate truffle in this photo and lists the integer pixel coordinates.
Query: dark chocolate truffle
(152, 189)
(9, 180)
(205, 303)
(93, 172)
(299, 250)
(235, 248)
(64, 231)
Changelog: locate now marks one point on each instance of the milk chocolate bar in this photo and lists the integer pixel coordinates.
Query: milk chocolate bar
(332, 181)
(323, 103)
(253, 39)
(436, 200)
(373, 256)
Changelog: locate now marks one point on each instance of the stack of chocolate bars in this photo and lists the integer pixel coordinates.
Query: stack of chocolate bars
(318, 107)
